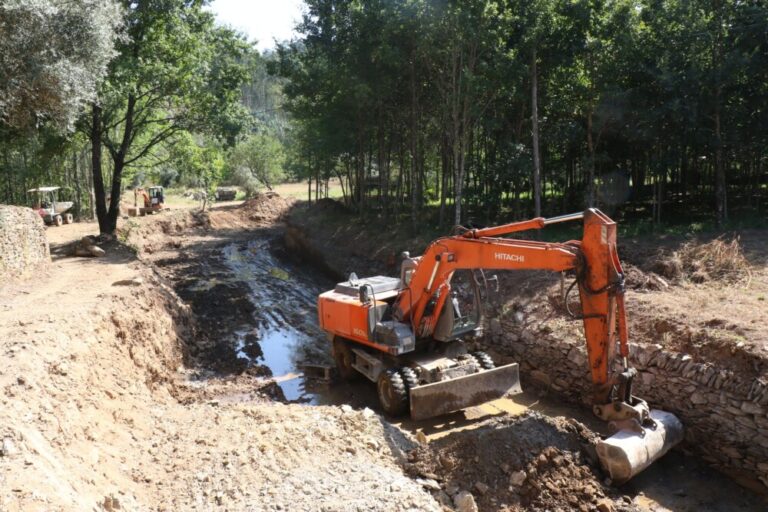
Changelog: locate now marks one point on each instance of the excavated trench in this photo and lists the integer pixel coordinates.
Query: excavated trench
(256, 298)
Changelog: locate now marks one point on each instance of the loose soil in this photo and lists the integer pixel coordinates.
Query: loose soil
(111, 398)
(174, 374)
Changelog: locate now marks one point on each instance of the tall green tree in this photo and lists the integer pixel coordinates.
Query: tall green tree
(175, 71)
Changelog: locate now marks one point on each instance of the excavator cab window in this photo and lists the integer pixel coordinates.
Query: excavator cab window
(465, 301)
(461, 311)
(407, 268)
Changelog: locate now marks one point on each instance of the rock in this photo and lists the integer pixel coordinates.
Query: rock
(421, 438)
(517, 478)
(9, 447)
(368, 413)
(444, 500)
(428, 483)
(577, 356)
(346, 409)
(446, 462)
(464, 502)
(604, 505)
(541, 377)
(752, 408)
(698, 398)
(481, 487)
(97, 251)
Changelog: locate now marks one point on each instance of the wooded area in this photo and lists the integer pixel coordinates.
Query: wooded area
(519, 107)
(476, 110)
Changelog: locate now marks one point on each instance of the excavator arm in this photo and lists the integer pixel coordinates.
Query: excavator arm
(594, 259)
(600, 279)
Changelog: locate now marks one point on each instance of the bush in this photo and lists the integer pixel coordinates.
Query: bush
(243, 178)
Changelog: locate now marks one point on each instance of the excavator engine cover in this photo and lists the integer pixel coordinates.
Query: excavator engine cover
(451, 395)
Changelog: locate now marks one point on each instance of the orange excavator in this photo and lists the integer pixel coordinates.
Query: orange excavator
(407, 334)
(152, 200)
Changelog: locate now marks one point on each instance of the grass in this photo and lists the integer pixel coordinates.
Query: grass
(298, 190)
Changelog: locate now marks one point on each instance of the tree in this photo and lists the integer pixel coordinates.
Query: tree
(53, 56)
(262, 156)
(200, 165)
(175, 72)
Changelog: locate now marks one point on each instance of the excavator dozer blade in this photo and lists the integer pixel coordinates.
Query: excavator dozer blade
(630, 451)
(451, 395)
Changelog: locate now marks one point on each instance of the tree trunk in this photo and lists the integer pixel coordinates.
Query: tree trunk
(720, 183)
(590, 163)
(415, 181)
(98, 178)
(535, 129)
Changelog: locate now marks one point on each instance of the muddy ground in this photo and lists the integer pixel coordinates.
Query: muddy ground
(185, 371)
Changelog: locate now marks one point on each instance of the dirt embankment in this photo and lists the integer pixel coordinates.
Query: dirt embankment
(696, 312)
(106, 407)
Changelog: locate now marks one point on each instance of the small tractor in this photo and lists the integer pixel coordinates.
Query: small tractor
(408, 334)
(152, 200)
(44, 201)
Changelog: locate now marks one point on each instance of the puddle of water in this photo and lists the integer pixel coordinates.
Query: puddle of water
(283, 324)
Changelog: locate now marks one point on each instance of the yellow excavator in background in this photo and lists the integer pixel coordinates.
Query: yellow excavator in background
(406, 334)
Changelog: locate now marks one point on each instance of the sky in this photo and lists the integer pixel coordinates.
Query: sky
(261, 20)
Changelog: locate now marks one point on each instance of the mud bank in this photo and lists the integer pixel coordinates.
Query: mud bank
(720, 394)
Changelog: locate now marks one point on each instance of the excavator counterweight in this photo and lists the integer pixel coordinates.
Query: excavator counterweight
(408, 334)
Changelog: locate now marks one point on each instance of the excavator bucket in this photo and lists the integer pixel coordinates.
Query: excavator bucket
(630, 451)
(451, 395)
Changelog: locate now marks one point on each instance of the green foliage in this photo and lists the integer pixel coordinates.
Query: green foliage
(200, 166)
(53, 55)
(644, 106)
(260, 157)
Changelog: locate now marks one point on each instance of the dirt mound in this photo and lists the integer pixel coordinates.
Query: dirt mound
(330, 205)
(717, 260)
(268, 206)
(526, 463)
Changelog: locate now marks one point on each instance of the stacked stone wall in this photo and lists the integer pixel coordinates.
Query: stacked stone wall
(725, 413)
(23, 244)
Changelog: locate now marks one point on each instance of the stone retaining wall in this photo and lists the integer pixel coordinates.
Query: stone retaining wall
(725, 414)
(23, 244)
